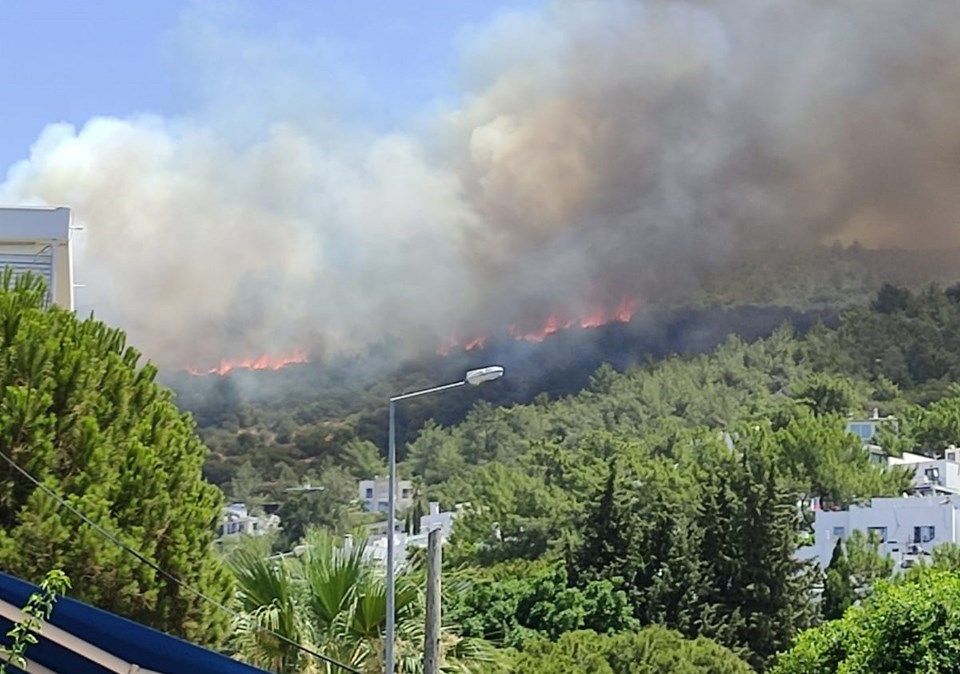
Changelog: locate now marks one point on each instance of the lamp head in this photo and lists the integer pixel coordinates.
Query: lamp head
(483, 375)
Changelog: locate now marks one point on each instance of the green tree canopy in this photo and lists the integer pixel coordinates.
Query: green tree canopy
(826, 394)
(703, 542)
(331, 507)
(331, 598)
(79, 415)
(652, 650)
(856, 566)
(904, 628)
(520, 604)
(838, 590)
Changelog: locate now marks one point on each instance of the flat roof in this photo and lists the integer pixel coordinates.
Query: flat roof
(34, 224)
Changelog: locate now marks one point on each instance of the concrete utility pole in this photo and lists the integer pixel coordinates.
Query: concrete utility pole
(431, 641)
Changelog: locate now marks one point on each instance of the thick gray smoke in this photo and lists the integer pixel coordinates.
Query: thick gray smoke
(601, 149)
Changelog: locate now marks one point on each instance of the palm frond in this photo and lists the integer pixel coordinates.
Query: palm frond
(333, 576)
(334, 600)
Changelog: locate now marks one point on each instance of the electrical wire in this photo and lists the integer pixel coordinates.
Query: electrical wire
(213, 602)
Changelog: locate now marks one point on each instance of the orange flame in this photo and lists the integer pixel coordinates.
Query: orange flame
(599, 316)
(476, 343)
(555, 322)
(264, 362)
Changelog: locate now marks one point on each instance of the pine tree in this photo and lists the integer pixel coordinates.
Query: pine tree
(79, 415)
(771, 588)
(838, 590)
(679, 584)
(604, 546)
(754, 594)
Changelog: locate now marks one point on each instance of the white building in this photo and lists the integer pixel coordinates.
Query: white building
(374, 494)
(438, 520)
(909, 526)
(866, 429)
(376, 549)
(236, 520)
(932, 476)
(379, 528)
(38, 240)
(434, 519)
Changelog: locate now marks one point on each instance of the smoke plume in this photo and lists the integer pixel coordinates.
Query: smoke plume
(600, 150)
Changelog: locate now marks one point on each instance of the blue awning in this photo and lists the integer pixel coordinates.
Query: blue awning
(81, 639)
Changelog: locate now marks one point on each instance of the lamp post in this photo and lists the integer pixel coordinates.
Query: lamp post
(474, 378)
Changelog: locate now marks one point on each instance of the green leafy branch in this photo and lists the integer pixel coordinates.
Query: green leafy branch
(38, 609)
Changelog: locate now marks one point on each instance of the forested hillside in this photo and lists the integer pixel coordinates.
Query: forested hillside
(902, 346)
(680, 490)
(648, 521)
(305, 416)
(674, 493)
(827, 277)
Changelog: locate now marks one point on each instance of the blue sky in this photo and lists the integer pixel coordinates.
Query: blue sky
(68, 60)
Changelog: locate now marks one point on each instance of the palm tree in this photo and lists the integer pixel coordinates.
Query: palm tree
(269, 602)
(333, 600)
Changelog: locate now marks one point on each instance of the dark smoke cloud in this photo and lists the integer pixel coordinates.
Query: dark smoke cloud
(653, 141)
(601, 149)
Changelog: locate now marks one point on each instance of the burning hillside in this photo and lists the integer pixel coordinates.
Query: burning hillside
(629, 148)
(595, 318)
(262, 362)
(555, 321)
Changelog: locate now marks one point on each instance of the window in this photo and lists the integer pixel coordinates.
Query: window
(933, 474)
(924, 534)
(838, 532)
(878, 534)
(405, 493)
(369, 492)
(865, 431)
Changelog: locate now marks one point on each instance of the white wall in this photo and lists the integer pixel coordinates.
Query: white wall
(379, 489)
(937, 474)
(437, 520)
(42, 232)
(899, 516)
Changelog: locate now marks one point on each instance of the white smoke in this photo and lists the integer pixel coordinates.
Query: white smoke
(600, 149)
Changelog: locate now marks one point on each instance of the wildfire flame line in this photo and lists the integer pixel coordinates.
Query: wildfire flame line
(555, 322)
(264, 362)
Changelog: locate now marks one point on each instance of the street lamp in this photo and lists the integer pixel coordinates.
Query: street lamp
(474, 378)
(307, 488)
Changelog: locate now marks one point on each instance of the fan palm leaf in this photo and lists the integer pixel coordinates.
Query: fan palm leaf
(334, 600)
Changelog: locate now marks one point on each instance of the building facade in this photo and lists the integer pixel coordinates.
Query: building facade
(37, 240)
(931, 476)
(375, 493)
(236, 520)
(435, 519)
(908, 527)
(866, 429)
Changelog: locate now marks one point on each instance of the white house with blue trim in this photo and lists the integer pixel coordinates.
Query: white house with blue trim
(908, 526)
